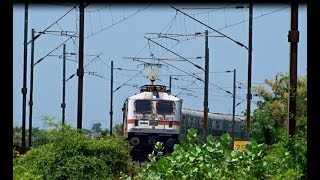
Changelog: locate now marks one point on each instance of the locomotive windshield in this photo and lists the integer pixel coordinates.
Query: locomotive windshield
(165, 107)
(143, 106)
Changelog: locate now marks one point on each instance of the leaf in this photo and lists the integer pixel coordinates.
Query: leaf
(210, 149)
(198, 150)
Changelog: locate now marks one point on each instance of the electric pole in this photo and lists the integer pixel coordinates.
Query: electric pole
(293, 38)
(31, 88)
(234, 103)
(24, 88)
(249, 95)
(80, 70)
(206, 86)
(111, 99)
(170, 83)
(63, 104)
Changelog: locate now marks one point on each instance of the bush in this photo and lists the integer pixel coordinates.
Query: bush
(215, 160)
(73, 155)
(211, 160)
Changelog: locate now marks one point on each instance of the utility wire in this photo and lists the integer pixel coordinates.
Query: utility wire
(164, 59)
(197, 66)
(220, 88)
(51, 52)
(128, 80)
(61, 4)
(236, 7)
(51, 25)
(161, 31)
(193, 75)
(252, 18)
(93, 60)
(119, 21)
(100, 8)
(237, 42)
(104, 63)
(84, 67)
(170, 22)
(184, 89)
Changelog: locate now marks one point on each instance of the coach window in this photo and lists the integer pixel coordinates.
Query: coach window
(143, 106)
(165, 107)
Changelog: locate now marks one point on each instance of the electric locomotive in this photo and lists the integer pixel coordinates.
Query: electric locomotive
(152, 115)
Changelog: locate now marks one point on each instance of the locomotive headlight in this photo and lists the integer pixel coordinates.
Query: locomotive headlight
(135, 141)
(153, 116)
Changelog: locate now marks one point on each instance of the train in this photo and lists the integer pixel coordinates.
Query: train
(218, 123)
(154, 114)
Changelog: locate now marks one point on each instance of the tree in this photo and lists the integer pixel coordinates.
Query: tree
(96, 127)
(105, 133)
(270, 119)
(118, 130)
(38, 136)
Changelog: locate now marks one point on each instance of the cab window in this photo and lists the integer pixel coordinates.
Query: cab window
(165, 107)
(143, 106)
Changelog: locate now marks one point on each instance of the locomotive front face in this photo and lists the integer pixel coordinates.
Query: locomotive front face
(154, 116)
(150, 116)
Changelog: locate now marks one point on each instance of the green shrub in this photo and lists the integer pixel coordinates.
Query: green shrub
(215, 160)
(73, 155)
(211, 160)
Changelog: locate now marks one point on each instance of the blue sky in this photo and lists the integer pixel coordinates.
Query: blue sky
(119, 31)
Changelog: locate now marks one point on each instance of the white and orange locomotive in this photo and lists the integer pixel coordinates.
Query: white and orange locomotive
(150, 116)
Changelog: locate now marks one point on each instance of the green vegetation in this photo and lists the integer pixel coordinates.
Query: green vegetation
(270, 120)
(270, 155)
(215, 160)
(73, 155)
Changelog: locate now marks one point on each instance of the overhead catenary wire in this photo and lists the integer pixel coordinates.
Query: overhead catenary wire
(100, 9)
(128, 80)
(61, 4)
(193, 75)
(235, 41)
(234, 24)
(97, 56)
(118, 21)
(41, 59)
(164, 59)
(187, 86)
(74, 7)
(197, 66)
(172, 20)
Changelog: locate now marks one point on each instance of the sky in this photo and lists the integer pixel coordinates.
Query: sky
(119, 33)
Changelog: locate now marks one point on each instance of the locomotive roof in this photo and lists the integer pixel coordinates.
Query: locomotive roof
(147, 95)
(154, 92)
(221, 116)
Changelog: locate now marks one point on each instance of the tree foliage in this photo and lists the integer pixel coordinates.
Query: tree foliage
(270, 123)
(96, 127)
(73, 155)
(270, 120)
(215, 160)
(118, 130)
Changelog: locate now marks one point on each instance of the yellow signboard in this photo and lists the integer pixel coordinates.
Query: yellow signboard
(239, 145)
